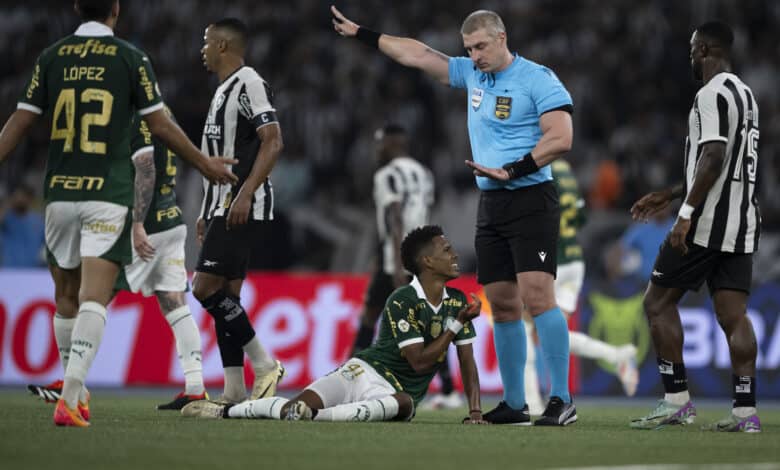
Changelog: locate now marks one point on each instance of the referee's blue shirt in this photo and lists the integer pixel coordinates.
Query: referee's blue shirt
(504, 111)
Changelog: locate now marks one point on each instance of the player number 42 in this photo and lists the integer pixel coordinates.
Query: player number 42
(66, 107)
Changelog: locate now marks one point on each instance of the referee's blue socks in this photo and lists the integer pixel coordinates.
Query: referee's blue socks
(509, 339)
(554, 338)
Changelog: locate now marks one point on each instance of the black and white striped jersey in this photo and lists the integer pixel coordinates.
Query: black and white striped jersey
(406, 181)
(241, 105)
(726, 111)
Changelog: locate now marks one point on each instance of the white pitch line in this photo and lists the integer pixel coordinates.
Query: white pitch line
(732, 466)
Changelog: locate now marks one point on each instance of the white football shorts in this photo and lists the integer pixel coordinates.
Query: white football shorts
(165, 271)
(354, 381)
(77, 229)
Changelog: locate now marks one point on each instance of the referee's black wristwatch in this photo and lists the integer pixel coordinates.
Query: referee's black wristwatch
(524, 166)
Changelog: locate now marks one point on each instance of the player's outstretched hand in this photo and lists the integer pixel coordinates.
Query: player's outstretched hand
(649, 204)
(470, 311)
(141, 242)
(679, 233)
(342, 25)
(499, 174)
(216, 171)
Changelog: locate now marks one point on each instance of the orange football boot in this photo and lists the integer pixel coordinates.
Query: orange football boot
(64, 416)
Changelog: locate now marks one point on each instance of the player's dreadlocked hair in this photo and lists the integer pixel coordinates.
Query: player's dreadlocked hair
(94, 10)
(414, 243)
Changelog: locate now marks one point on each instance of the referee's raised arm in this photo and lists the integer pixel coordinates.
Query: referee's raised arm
(405, 51)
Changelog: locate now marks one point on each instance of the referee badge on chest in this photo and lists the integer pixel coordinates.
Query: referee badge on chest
(503, 107)
(476, 97)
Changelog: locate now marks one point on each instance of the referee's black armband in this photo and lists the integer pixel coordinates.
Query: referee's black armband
(368, 37)
(522, 167)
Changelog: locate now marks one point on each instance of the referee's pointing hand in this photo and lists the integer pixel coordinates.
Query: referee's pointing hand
(499, 174)
(342, 25)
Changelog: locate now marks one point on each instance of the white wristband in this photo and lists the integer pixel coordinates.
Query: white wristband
(455, 326)
(686, 210)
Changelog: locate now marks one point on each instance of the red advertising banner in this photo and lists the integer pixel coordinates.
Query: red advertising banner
(308, 321)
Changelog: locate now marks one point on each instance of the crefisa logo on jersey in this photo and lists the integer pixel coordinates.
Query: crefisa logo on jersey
(503, 107)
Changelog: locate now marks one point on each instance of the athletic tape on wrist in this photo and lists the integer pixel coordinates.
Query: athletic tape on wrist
(524, 166)
(455, 326)
(368, 37)
(686, 211)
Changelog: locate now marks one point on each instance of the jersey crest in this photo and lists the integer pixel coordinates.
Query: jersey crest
(503, 107)
(476, 98)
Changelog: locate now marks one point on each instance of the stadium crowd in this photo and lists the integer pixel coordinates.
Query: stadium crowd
(631, 94)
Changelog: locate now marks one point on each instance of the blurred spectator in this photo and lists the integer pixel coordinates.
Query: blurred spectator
(634, 254)
(21, 231)
(631, 97)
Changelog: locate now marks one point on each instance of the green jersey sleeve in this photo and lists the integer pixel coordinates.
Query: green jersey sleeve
(141, 138)
(34, 95)
(146, 93)
(403, 322)
(458, 300)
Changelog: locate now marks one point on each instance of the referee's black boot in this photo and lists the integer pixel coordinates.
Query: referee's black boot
(504, 414)
(557, 413)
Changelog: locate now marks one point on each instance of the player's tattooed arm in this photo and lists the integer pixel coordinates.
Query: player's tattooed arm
(144, 185)
(144, 192)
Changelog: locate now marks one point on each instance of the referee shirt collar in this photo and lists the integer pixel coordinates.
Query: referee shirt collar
(421, 293)
(93, 29)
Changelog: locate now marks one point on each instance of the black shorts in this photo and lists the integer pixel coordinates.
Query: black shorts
(225, 252)
(721, 270)
(517, 231)
(379, 289)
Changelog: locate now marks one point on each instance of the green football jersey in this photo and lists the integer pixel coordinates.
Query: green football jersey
(572, 212)
(408, 318)
(164, 212)
(91, 84)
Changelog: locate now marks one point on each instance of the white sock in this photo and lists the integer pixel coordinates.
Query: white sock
(533, 396)
(267, 408)
(188, 347)
(744, 411)
(261, 361)
(63, 328)
(679, 398)
(583, 345)
(85, 341)
(235, 389)
(383, 409)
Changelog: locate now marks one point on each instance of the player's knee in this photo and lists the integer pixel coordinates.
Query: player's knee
(67, 305)
(653, 305)
(505, 310)
(405, 406)
(202, 290)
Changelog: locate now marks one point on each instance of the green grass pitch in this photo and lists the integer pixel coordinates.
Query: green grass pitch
(128, 433)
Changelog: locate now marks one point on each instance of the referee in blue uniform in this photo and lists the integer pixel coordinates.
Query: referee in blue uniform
(519, 121)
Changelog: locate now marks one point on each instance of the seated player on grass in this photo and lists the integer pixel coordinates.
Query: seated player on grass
(386, 381)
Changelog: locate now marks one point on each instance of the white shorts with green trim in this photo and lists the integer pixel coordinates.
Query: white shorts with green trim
(354, 381)
(165, 271)
(78, 229)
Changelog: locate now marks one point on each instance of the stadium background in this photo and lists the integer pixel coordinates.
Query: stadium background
(625, 63)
